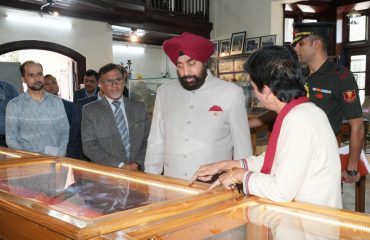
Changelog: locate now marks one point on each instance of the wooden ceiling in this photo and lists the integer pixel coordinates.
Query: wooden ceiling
(127, 13)
(158, 26)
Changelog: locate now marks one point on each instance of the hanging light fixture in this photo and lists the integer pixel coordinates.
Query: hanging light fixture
(353, 16)
(48, 7)
(133, 36)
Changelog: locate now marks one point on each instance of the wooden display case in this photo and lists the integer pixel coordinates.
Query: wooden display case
(60, 198)
(255, 219)
(8, 154)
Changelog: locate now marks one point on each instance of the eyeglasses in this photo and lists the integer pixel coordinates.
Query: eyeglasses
(113, 81)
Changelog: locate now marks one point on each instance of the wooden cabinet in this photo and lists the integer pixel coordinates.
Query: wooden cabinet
(229, 68)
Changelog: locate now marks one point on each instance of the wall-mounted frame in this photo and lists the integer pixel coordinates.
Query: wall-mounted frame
(216, 47)
(224, 47)
(252, 44)
(237, 43)
(225, 66)
(268, 40)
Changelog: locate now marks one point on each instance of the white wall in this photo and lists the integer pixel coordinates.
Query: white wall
(256, 17)
(149, 61)
(90, 38)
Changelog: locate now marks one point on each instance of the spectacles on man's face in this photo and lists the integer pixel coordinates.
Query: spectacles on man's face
(116, 81)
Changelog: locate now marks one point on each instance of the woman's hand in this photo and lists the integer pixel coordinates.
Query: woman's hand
(206, 172)
(229, 179)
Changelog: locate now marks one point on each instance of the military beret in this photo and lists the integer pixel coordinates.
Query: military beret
(303, 30)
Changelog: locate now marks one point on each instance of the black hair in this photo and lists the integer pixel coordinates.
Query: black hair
(278, 68)
(22, 67)
(111, 66)
(92, 72)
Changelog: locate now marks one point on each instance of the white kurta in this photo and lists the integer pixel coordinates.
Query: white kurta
(186, 133)
(306, 167)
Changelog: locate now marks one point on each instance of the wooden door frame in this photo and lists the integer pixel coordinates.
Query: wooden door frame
(361, 51)
(53, 47)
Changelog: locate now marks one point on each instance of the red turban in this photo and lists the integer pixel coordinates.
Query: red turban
(194, 46)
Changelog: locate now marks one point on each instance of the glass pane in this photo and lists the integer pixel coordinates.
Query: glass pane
(288, 34)
(358, 63)
(309, 20)
(82, 192)
(362, 96)
(252, 221)
(357, 32)
(360, 79)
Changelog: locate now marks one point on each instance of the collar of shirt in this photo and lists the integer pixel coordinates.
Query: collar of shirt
(28, 97)
(325, 67)
(94, 94)
(122, 105)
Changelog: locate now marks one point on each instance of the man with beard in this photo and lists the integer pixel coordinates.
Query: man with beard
(36, 120)
(114, 130)
(197, 120)
(331, 87)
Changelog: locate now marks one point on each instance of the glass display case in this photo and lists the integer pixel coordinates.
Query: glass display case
(60, 198)
(9, 154)
(145, 90)
(255, 219)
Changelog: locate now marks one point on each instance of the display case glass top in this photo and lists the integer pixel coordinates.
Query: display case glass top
(255, 219)
(88, 199)
(8, 153)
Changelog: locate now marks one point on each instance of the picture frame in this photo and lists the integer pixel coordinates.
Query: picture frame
(239, 64)
(225, 65)
(227, 77)
(216, 47)
(269, 40)
(237, 43)
(252, 44)
(224, 47)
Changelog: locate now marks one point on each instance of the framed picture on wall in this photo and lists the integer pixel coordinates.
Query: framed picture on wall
(252, 44)
(237, 43)
(224, 47)
(215, 46)
(268, 40)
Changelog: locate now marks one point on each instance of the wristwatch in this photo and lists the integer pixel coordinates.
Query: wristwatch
(352, 173)
(139, 167)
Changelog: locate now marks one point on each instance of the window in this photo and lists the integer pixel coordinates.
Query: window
(288, 29)
(308, 20)
(357, 32)
(358, 68)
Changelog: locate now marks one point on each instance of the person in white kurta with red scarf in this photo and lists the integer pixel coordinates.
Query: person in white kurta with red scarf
(197, 120)
(302, 161)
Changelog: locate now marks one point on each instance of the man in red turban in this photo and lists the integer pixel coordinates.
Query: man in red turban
(198, 119)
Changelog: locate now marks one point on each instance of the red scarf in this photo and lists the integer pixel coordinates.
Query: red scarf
(271, 146)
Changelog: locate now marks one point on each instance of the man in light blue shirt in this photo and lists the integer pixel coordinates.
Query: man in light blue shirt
(7, 93)
(36, 120)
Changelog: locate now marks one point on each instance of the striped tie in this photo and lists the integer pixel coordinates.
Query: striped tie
(122, 127)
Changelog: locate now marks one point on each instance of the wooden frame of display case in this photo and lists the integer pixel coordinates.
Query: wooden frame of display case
(254, 217)
(11, 154)
(25, 218)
